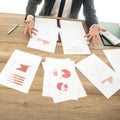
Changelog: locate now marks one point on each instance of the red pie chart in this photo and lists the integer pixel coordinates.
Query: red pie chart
(62, 87)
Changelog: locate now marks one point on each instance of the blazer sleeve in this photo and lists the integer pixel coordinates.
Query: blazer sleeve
(32, 7)
(89, 12)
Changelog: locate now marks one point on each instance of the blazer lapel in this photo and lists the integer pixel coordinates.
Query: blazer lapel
(76, 5)
(49, 5)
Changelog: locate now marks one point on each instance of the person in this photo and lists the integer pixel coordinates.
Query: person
(71, 10)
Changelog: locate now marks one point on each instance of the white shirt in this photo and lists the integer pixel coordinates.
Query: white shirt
(66, 10)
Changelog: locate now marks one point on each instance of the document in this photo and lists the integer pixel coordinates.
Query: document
(47, 35)
(72, 36)
(20, 70)
(113, 56)
(61, 81)
(112, 28)
(100, 75)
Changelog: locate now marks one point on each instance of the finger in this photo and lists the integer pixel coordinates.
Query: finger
(87, 35)
(93, 42)
(35, 29)
(96, 40)
(89, 38)
(25, 30)
(101, 28)
(104, 30)
(30, 33)
(34, 32)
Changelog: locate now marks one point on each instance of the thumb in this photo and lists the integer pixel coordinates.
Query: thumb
(102, 29)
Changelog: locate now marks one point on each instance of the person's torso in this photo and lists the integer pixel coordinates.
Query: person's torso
(66, 10)
(71, 9)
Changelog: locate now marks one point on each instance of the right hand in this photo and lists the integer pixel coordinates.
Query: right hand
(29, 27)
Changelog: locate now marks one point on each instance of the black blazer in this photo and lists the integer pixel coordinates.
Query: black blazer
(88, 9)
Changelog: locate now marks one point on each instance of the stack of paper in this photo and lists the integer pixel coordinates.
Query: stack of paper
(20, 70)
(71, 34)
(47, 35)
(101, 75)
(61, 81)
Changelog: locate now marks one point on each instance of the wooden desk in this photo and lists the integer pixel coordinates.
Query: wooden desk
(15, 105)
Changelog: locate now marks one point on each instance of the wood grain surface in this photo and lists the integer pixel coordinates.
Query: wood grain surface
(15, 105)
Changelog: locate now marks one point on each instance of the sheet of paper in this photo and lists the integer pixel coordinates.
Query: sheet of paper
(47, 35)
(46, 81)
(61, 81)
(79, 91)
(72, 36)
(113, 56)
(20, 70)
(101, 75)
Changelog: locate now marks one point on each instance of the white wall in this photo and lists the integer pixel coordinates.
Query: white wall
(107, 10)
(13, 6)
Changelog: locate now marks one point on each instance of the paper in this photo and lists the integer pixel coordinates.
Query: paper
(47, 35)
(113, 56)
(61, 81)
(71, 33)
(72, 36)
(20, 70)
(101, 75)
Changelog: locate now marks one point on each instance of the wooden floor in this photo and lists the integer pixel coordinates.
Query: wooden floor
(15, 105)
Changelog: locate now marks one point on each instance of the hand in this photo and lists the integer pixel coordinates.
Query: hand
(93, 34)
(29, 27)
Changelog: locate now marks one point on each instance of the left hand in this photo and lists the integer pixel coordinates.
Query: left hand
(93, 34)
(29, 27)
